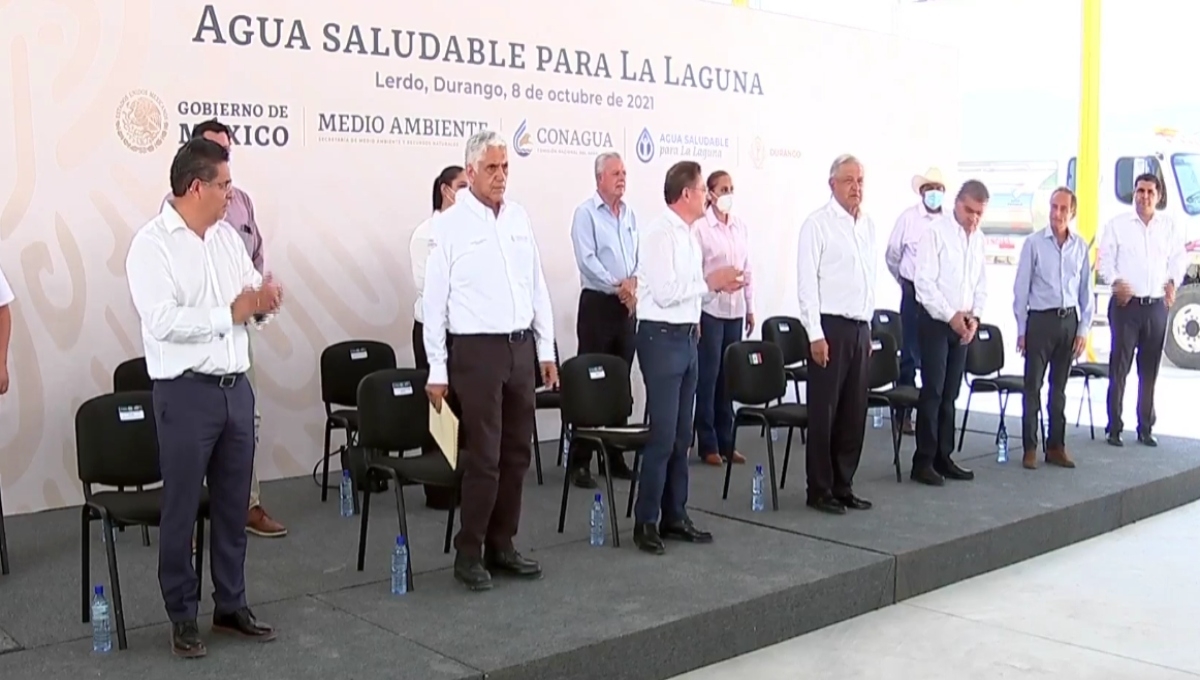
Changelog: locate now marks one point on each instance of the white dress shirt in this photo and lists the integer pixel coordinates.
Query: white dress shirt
(6, 291)
(183, 287)
(835, 267)
(418, 254)
(1146, 256)
(483, 276)
(671, 285)
(901, 254)
(950, 270)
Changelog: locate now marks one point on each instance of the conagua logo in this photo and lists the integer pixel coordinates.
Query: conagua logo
(522, 144)
(141, 121)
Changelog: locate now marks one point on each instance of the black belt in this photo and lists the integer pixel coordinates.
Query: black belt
(845, 319)
(1062, 312)
(224, 381)
(1146, 301)
(513, 337)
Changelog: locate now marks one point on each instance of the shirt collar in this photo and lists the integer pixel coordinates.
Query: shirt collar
(1048, 232)
(837, 209)
(468, 200)
(710, 217)
(598, 202)
(675, 220)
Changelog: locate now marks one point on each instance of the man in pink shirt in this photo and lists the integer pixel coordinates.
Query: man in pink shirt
(240, 215)
(723, 318)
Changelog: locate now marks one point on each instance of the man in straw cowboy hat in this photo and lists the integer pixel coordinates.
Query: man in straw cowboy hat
(901, 260)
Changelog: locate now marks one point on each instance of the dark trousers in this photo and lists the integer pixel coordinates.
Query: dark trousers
(1049, 341)
(603, 326)
(205, 430)
(493, 383)
(837, 407)
(1140, 325)
(910, 348)
(667, 354)
(714, 408)
(437, 497)
(943, 359)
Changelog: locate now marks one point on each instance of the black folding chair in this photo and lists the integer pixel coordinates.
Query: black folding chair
(343, 365)
(882, 373)
(888, 321)
(1089, 371)
(546, 400)
(788, 334)
(116, 445)
(596, 403)
(985, 361)
(133, 376)
(754, 377)
(393, 417)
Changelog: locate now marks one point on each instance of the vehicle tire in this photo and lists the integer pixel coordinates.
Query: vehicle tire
(1183, 329)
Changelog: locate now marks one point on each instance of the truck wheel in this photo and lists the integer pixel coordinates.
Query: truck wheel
(1183, 329)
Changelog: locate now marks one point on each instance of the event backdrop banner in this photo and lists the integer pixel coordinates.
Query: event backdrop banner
(343, 113)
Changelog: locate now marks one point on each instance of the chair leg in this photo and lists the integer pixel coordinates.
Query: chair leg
(325, 461)
(612, 501)
(1079, 411)
(450, 523)
(402, 518)
(962, 432)
(1087, 386)
(363, 521)
(3, 540)
(771, 463)
(85, 571)
(1002, 398)
(562, 436)
(562, 509)
(897, 435)
(114, 577)
(637, 469)
(537, 450)
(787, 455)
(729, 462)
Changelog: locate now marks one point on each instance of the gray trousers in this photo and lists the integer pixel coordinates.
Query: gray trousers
(205, 430)
(1049, 342)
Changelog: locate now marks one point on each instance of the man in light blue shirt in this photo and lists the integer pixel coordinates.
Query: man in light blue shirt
(604, 235)
(1052, 300)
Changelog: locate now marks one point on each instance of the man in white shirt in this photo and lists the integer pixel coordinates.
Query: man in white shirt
(196, 290)
(1143, 255)
(901, 260)
(951, 291)
(484, 284)
(671, 289)
(835, 276)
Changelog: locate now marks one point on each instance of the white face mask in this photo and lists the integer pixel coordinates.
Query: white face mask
(725, 203)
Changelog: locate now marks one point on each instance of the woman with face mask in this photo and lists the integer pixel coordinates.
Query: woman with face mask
(724, 318)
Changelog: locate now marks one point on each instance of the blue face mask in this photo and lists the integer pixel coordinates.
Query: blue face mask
(933, 199)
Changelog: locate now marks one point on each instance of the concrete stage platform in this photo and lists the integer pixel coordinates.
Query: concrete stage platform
(599, 612)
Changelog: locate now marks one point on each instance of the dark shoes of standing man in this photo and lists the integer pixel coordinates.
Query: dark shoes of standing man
(476, 574)
(1144, 438)
(940, 472)
(649, 537)
(185, 635)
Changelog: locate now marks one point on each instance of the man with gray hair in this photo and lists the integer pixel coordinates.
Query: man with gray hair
(951, 291)
(605, 237)
(484, 285)
(835, 276)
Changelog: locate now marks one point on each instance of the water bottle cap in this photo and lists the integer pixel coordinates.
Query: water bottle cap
(758, 468)
(400, 540)
(99, 590)
(597, 498)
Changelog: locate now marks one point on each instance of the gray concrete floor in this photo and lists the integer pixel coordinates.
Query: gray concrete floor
(1122, 605)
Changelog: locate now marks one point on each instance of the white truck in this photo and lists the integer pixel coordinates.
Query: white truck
(1175, 158)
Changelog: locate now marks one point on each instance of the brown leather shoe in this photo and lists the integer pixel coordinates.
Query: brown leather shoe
(738, 459)
(907, 426)
(1057, 455)
(259, 523)
(1030, 459)
(713, 459)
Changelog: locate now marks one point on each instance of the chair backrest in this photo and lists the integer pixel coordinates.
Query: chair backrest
(132, 376)
(116, 440)
(345, 364)
(393, 410)
(595, 391)
(788, 334)
(888, 321)
(985, 354)
(537, 367)
(754, 372)
(883, 368)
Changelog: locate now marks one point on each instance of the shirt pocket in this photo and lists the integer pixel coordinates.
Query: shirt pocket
(521, 255)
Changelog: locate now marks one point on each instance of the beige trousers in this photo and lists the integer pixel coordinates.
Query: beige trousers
(255, 493)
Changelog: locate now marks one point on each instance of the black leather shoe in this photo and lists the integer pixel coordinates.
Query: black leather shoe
(470, 572)
(854, 502)
(1147, 439)
(684, 530)
(952, 470)
(827, 504)
(1114, 439)
(242, 624)
(927, 476)
(185, 640)
(512, 563)
(582, 478)
(646, 538)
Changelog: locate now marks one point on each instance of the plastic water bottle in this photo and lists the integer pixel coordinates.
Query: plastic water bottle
(774, 434)
(597, 538)
(566, 445)
(1002, 445)
(400, 567)
(757, 501)
(101, 623)
(876, 417)
(347, 495)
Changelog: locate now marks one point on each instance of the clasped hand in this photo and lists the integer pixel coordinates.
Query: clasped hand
(252, 302)
(726, 280)
(965, 326)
